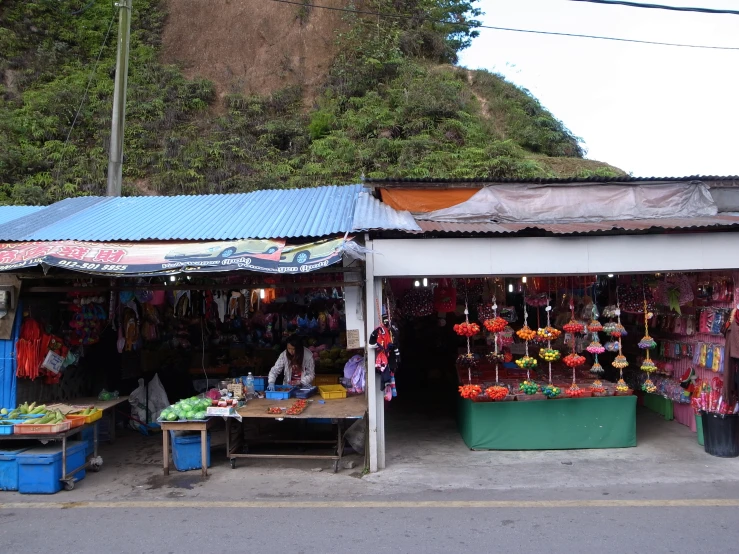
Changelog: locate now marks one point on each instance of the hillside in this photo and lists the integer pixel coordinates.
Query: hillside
(233, 95)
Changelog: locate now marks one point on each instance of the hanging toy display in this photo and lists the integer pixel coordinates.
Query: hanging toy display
(646, 343)
(496, 356)
(528, 387)
(621, 385)
(596, 368)
(468, 330)
(574, 391)
(595, 326)
(526, 334)
(495, 324)
(549, 354)
(573, 359)
(595, 347)
(496, 393)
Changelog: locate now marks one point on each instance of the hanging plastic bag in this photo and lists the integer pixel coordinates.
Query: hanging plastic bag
(157, 401)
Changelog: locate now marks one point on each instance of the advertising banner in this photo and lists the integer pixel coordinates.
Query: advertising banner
(132, 259)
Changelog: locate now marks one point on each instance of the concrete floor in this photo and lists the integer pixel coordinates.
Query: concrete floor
(424, 455)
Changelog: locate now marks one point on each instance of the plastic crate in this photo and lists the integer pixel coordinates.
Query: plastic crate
(87, 435)
(75, 421)
(8, 429)
(281, 392)
(186, 450)
(305, 392)
(94, 416)
(9, 466)
(42, 429)
(40, 469)
(332, 392)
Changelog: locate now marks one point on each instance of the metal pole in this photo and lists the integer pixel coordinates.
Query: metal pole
(115, 159)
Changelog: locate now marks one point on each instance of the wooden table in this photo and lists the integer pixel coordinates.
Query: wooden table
(201, 426)
(105, 405)
(353, 407)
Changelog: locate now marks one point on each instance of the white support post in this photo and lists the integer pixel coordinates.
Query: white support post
(373, 385)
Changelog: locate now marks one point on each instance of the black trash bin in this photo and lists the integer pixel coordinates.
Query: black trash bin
(721, 434)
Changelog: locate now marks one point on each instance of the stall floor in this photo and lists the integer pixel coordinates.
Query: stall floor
(425, 452)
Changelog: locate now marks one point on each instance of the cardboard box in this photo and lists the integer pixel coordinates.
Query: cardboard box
(216, 411)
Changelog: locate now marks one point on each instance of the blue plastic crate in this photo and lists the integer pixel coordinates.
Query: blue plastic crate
(281, 392)
(8, 429)
(87, 435)
(306, 392)
(186, 450)
(9, 465)
(40, 468)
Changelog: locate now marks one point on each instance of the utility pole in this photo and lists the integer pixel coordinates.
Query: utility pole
(115, 158)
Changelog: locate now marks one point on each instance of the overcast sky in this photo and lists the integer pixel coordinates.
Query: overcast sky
(650, 110)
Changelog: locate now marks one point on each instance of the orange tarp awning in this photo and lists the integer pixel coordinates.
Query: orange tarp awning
(425, 200)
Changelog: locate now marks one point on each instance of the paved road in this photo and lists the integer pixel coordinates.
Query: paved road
(686, 519)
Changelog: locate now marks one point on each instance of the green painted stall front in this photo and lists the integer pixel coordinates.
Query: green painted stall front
(564, 424)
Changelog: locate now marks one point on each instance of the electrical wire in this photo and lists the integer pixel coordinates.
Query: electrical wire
(508, 29)
(714, 11)
(87, 89)
(83, 9)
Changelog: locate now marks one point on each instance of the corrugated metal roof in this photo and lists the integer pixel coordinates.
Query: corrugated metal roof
(400, 182)
(578, 228)
(371, 214)
(283, 213)
(9, 213)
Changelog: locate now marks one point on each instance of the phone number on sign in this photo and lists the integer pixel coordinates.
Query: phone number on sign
(97, 267)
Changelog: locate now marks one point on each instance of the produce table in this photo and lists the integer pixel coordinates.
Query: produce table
(94, 463)
(201, 426)
(568, 423)
(353, 407)
(105, 406)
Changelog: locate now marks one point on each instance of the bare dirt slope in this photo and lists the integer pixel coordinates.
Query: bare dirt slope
(251, 46)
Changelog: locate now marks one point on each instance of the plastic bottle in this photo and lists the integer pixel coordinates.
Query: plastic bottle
(249, 384)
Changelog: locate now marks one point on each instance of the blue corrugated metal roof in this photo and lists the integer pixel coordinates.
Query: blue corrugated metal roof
(9, 213)
(284, 213)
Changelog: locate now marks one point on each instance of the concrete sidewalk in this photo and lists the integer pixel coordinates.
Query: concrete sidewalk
(423, 455)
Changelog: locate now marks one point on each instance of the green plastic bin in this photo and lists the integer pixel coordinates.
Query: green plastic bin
(699, 428)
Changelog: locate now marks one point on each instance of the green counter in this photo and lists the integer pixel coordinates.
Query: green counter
(660, 405)
(571, 423)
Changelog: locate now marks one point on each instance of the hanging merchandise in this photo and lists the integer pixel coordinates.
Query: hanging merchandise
(647, 343)
(549, 354)
(418, 302)
(468, 330)
(597, 388)
(675, 291)
(632, 297)
(496, 356)
(526, 334)
(445, 296)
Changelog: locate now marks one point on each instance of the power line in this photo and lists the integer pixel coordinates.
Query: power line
(84, 96)
(661, 7)
(508, 29)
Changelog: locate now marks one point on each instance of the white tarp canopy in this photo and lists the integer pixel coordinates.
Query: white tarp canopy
(579, 203)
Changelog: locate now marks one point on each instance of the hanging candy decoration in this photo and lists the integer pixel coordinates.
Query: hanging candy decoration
(573, 327)
(597, 369)
(470, 391)
(621, 385)
(550, 391)
(526, 334)
(497, 392)
(618, 330)
(573, 360)
(496, 324)
(549, 354)
(595, 326)
(574, 391)
(648, 386)
(468, 361)
(549, 333)
(597, 387)
(648, 365)
(528, 387)
(496, 356)
(595, 347)
(467, 329)
(620, 362)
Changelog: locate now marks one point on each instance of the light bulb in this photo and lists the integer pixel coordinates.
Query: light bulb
(417, 284)
(261, 293)
(425, 282)
(173, 278)
(523, 279)
(510, 287)
(610, 274)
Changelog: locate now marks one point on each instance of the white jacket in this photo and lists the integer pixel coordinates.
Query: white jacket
(282, 365)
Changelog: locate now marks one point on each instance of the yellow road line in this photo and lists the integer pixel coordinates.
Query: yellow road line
(200, 504)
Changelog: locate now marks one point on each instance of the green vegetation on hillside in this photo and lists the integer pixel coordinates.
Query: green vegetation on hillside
(389, 109)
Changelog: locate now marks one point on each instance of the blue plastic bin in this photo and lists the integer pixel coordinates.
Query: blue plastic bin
(8, 429)
(87, 435)
(281, 392)
(40, 468)
(186, 450)
(9, 466)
